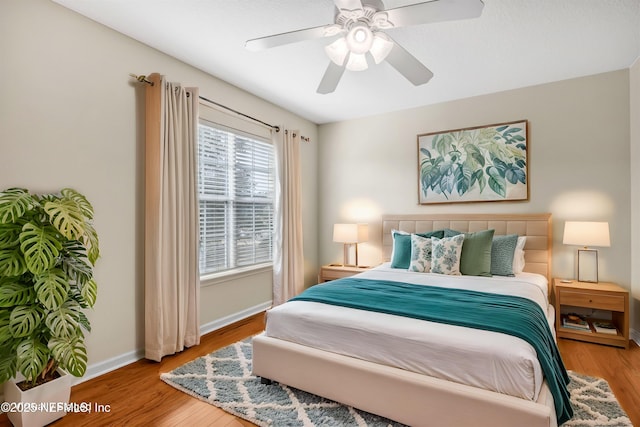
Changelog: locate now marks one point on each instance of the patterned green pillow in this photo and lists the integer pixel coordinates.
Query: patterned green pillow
(502, 251)
(445, 258)
(420, 254)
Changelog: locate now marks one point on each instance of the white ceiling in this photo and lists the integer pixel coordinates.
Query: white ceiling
(514, 43)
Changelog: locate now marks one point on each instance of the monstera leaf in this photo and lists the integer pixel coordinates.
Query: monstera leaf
(12, 262)
(40, 246)
(5, 329)
(24, 320)
(67, 217)
(74, 262)
(81, 202)
(8, 364)
(52, 288)
(89, 292)
(33, 356)
(10, 235)
(13, 293)
(64, 320)
(70, 353)
(92, 243)
(14, 203)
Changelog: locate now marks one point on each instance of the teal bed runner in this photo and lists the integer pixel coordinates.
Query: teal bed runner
(507, 314)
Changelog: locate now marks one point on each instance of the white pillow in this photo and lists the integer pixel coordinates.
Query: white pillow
(420, 254)
(518, 255)
(445, 254)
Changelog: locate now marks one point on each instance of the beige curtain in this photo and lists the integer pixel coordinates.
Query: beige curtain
(288, 268)
(172, 279)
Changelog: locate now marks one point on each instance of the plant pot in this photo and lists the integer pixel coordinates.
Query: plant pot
(42, 404)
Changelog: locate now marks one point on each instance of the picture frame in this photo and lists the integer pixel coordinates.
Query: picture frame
(476, 164)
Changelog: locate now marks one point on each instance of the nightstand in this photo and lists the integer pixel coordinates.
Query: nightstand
(597, 296)
(332, 272)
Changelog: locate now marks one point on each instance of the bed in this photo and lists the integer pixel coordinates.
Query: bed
(440, 375)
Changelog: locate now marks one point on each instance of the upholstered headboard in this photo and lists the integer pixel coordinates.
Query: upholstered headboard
(537, 228)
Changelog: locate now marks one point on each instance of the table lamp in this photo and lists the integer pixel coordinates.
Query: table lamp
(586, 234)
(350, 234)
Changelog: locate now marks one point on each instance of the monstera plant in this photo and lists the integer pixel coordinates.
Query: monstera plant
(48, 247)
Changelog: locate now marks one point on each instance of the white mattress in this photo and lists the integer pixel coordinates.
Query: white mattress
(484, 359)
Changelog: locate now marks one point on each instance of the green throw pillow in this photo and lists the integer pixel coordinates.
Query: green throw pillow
(401, 254)
(475, 259)
(502, 251)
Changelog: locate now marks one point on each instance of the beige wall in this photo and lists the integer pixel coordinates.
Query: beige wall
(634, 90)
(71, 116)
(578, 170)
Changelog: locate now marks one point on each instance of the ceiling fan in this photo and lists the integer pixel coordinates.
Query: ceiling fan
(359, 33)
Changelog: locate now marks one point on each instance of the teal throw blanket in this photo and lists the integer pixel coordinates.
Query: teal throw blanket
(506, 314)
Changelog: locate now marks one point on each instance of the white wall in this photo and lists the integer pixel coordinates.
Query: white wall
(578, 164)
(70, 115)
(634, 90)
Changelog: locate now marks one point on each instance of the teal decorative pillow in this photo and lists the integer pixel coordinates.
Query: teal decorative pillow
(445, 254)
(502, 250)
(450, 233)
(476, 252)
(401, 253)
(420, 254)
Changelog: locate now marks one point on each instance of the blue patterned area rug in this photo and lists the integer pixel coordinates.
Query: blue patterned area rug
(223, 379)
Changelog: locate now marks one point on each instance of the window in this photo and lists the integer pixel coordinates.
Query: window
(236, 190)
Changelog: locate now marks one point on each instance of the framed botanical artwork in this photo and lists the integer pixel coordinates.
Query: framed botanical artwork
(478, 164)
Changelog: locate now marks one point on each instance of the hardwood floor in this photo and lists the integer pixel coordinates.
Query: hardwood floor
(137, 397)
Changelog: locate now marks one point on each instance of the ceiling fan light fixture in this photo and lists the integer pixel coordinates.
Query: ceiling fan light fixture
(359, 39)
(381, 47)
(357, 62)
(337, 51)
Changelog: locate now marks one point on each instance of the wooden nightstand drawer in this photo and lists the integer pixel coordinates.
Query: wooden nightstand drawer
(592, 300)
(329, 274)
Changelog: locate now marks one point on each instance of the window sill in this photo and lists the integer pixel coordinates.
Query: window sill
(238, 273)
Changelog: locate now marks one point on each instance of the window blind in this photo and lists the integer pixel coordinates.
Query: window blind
(236, 187)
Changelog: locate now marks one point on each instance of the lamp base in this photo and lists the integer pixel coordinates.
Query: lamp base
(588, 265)
(346, 255)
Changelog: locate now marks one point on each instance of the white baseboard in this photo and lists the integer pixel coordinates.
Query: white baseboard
(233, 318)
(635, 335)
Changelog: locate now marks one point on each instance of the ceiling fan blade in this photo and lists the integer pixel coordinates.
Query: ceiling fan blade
(331, 78)
(434, 11)
(348, 4)
(407, 65)
(267, 42)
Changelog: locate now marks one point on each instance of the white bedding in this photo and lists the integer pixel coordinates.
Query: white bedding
(484, 359)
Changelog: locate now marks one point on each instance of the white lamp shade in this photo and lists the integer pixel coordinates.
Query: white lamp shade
(357, 62)
(381, 47)
(337, 51)
(350, 233)
(586, 233)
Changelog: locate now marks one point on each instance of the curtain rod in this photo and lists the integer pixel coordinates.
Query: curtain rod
(143, 79)
(276, 128)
